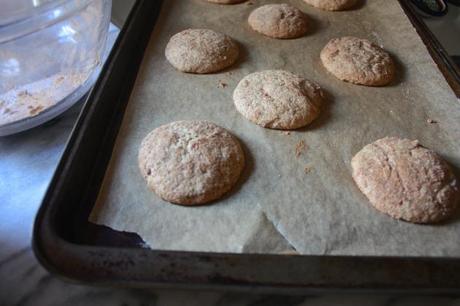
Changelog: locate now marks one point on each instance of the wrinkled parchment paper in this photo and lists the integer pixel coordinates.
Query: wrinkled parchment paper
(286, 203)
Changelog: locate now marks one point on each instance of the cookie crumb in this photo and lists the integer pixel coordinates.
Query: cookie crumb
(299, 148)
(429, 120)
(222, 84)
(59, 79)
(307, 169)
(35, 110)
(23, 93)
(287, 133)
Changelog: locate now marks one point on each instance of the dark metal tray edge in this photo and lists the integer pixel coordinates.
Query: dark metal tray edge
(446, 65)
(137, 267)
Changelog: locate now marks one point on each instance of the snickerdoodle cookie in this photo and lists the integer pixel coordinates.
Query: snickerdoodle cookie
(278, 99)
(332, 5)
(405, 180)
(201, 51)
(190, 162)
(358, 61)
(278, 21)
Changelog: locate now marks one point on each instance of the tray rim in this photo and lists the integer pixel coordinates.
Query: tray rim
(137, 267)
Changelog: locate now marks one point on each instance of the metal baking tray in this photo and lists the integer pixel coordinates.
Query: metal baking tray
(69, 246)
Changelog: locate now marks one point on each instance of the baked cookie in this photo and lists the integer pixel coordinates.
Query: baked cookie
(278, 99)
(332, 5)
(190, 162)
(226, 1)
(405, 180)
(278, 21)
(358, 61)
(201, 51)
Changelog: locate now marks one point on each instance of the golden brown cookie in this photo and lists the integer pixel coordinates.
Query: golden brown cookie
(201, 51)
(278, 99)
(406, 181)
(278, 21)
(358, 61)
(332, 5)
(190, 162)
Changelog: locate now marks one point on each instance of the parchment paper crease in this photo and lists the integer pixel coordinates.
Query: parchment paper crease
(279, 207)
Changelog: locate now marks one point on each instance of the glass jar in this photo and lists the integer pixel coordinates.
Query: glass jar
(50, 53)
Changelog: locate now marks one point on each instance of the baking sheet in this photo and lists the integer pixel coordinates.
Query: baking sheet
(286, 201)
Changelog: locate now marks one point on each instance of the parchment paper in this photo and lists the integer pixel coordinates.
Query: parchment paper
(279, 207)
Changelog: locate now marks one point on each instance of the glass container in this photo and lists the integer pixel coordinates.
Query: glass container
(50, 54)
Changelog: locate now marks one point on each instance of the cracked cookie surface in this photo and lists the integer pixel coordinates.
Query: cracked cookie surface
(278, 99)
(278, 21)
(332, 5)
(201, 51)
(190, 162)
(358, 61)
(406, 181)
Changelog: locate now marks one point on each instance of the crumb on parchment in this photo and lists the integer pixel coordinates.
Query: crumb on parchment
(307, 169)
(429, 120)
(300, 146)
(222, 84)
